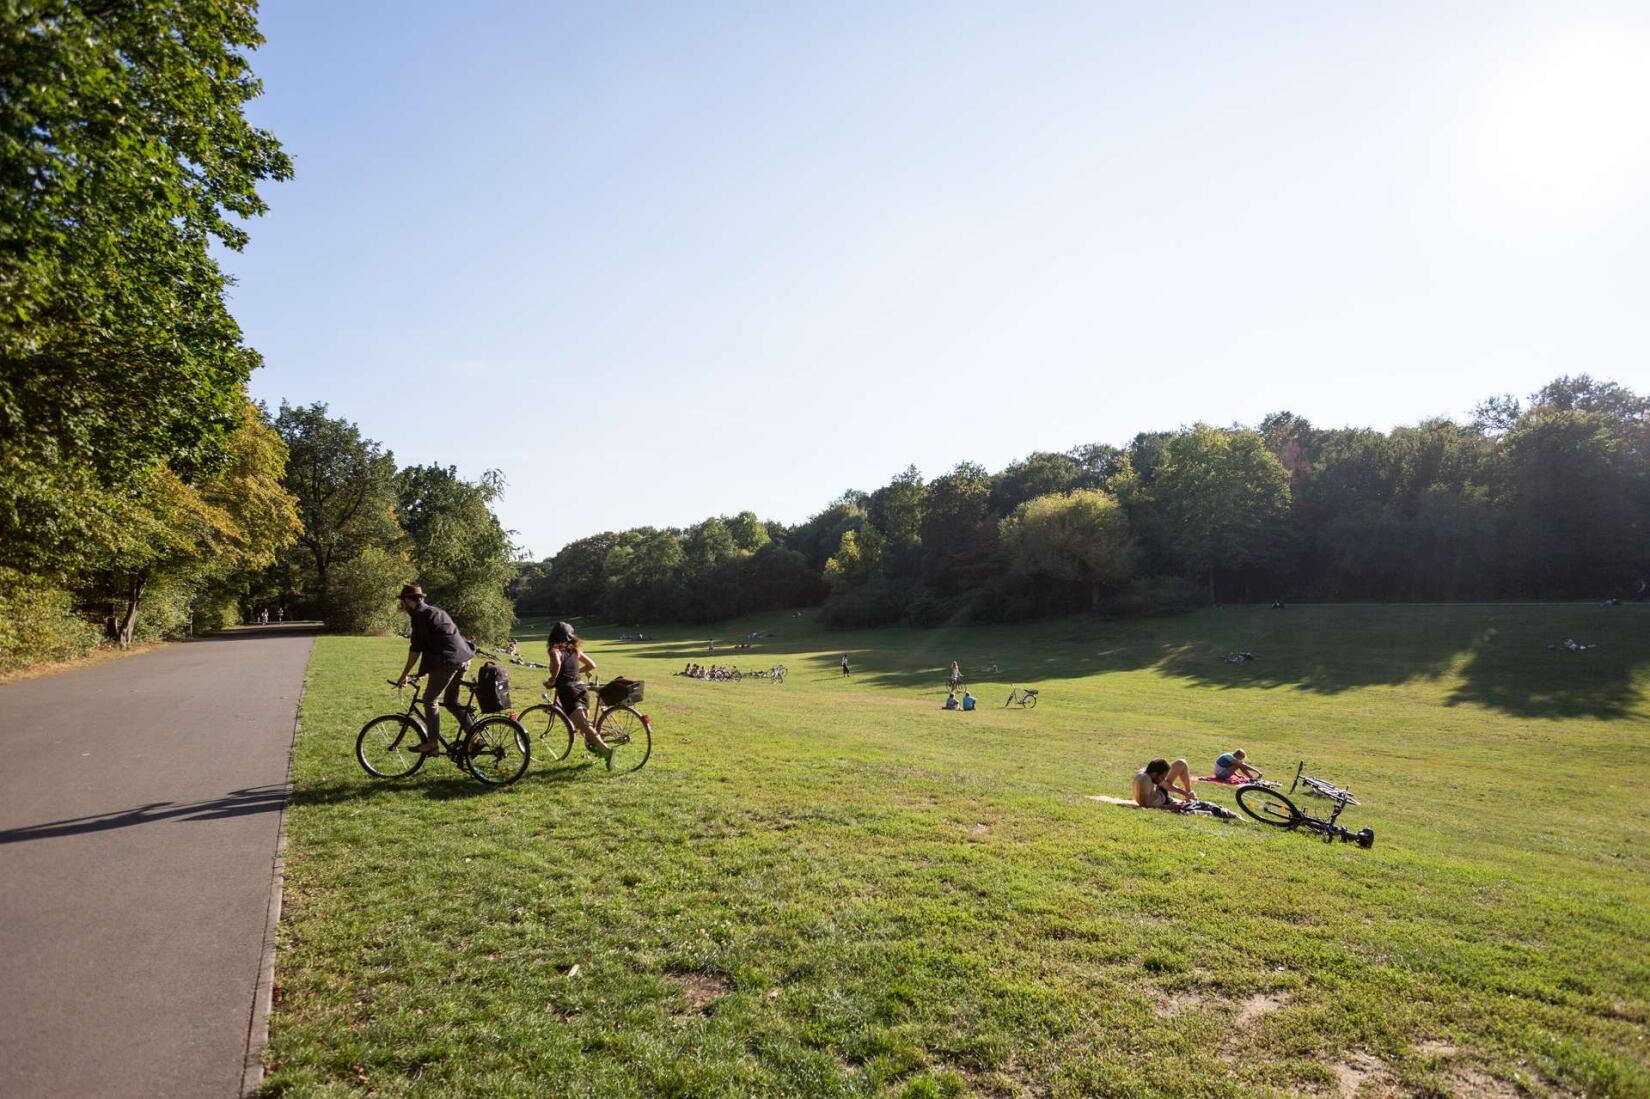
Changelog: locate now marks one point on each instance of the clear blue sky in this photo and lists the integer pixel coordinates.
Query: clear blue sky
(662, 262)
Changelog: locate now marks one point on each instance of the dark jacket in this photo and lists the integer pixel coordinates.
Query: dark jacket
(436, 639)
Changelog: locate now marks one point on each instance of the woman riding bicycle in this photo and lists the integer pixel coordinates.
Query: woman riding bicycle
(568, 664)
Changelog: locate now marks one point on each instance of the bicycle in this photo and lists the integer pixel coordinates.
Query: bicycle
(1026, 698)
(1270, 806)
(494, 750)
(622, 727)
(1319, 788)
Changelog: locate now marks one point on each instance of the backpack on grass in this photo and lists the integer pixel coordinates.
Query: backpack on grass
(493, 688)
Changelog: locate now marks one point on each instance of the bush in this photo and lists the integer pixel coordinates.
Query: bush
(38, 623)
(481, 612)
(361, 592)
(163, 613)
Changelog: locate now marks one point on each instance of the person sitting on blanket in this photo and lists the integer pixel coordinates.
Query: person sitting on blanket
(1230, 762)
(1154, 784)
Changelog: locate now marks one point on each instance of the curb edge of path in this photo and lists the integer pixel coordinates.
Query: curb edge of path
(263, 990)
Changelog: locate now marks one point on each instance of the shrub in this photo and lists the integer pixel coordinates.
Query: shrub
(361, 592)
(38, 622)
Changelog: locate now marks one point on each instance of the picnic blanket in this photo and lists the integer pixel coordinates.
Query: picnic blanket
(1235, 780)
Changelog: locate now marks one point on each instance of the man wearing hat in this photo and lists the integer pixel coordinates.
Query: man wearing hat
(444, 654)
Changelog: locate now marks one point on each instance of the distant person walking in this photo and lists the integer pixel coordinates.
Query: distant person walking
(845, 664)
(441, 654)
(280, 614)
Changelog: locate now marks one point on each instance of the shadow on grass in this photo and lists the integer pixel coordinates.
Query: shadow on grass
(433, 787)
(1505, 657)
(236, 803)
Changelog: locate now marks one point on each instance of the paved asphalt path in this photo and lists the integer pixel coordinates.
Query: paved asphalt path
(140, 807)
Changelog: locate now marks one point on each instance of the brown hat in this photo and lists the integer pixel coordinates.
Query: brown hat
(412, 591)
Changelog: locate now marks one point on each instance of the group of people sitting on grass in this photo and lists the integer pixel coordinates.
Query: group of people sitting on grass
(951, 702)
(714, 671)
(1158, 784)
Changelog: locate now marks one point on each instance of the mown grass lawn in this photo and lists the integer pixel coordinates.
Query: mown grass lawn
(834, 888)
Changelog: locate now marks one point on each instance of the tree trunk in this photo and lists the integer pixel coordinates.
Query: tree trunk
(134, 595)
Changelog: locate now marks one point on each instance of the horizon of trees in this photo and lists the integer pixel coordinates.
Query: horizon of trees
(1544, 498)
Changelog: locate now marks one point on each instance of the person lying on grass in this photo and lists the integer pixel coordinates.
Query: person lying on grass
(1155, 788)
(1233, 761)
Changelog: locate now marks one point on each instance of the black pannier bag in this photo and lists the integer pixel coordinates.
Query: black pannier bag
(621, 692)
(493, 688)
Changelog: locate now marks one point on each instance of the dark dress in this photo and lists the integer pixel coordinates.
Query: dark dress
(569, 685)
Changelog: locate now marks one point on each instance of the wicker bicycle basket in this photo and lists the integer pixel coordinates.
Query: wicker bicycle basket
(621, 692)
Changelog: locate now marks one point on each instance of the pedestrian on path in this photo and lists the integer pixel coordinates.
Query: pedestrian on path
(441, 653)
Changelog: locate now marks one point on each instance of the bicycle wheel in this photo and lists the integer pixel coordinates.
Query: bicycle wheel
(550, 729)
(628, 734)
(1269, 806)
(1029, 702)
(384, 747)
(497, 750)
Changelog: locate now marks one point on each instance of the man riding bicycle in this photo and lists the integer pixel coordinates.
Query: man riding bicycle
(442, 655)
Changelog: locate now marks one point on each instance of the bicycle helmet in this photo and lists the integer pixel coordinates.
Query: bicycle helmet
(561, 633)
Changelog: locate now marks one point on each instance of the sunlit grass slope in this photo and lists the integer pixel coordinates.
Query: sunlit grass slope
(832, 887)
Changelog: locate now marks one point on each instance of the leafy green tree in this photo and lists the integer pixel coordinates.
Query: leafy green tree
(1077, 541)
(959, 531)
(1224, 498)
(749, 533)
(189, 535)
(1040, 474)
(642, 574)
(346, 489)
(577, 579)
(462, 553)
(126, 154)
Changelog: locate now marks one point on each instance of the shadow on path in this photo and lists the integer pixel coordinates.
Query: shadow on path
(236, 803)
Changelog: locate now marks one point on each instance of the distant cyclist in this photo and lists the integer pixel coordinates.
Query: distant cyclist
(845, 664)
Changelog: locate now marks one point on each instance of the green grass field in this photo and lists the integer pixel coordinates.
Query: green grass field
(834, 888)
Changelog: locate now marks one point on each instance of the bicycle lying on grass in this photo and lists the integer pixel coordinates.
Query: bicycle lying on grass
(1018, 697)
(626, 730)
(1272, 806)
(1318, 788)
(494, 750)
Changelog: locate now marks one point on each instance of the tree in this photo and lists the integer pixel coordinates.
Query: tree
(233, 521)
(345, 485)
(959, 531)
(1224, 498)
(126, 154)
(1040, 474)
(462, 553)
(749, 533)
(576, 583)
(1079, 541)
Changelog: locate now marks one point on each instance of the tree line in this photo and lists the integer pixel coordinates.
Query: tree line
(142, 493)
(1547, 497)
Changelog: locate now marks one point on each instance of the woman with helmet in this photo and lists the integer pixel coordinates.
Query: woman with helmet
(568, 665)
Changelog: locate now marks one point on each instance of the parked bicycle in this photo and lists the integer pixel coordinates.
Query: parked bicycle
(1273, 807)
(623, 728)
(495, 750)
(1319, 788)
(1026, 697)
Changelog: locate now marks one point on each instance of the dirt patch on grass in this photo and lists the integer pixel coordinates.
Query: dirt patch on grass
(1471, 1083)
(1360, 1075)
(1436, 1048)
(1259, 1005)
(700, 991)
(1166, 1005)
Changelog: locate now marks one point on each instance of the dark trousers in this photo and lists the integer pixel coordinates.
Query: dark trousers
(441, 680)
